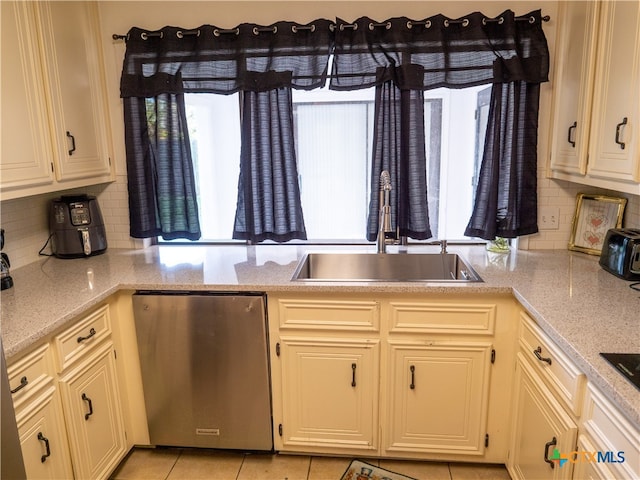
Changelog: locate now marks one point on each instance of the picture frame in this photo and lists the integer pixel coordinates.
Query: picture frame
(594, 215)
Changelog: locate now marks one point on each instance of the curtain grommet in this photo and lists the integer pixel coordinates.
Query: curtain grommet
(499, 20)
(296, 29)
(386, 25)
(179, 34)
(146, 36)
(353, 26)
(532, 19)
(217, 32)
(425, 24)
(257, 30)
(464, 23)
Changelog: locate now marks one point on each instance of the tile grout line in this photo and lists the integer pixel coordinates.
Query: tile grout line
(180, 451)
(241, 464)
(309, 467)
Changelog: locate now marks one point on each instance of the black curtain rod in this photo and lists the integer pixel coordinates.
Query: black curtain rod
(295, 28)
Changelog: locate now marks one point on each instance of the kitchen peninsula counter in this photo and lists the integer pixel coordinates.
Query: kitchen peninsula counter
(584, 309)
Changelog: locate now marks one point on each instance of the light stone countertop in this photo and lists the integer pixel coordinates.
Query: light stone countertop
(584, 309)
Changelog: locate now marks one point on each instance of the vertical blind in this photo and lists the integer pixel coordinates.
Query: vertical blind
(400, 57)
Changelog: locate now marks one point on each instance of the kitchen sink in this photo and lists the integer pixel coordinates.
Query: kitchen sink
(385, 267)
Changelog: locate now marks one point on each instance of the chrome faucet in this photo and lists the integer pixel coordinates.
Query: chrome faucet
(384, 217)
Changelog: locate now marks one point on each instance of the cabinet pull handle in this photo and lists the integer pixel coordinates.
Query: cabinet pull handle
(44, 439)
(88, 400)
(412, 386)
(572, 127)
(92, 332)
(618, 130)
(537, 352)
(73, 143)
(547, 446)
(23, 383)
(353, 374)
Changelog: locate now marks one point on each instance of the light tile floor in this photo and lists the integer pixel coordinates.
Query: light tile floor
(195, 464)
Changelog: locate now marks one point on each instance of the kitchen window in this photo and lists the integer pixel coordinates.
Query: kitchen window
(333, 135)
(405, 61)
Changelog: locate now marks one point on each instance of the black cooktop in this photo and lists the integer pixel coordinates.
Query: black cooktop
(628, 364)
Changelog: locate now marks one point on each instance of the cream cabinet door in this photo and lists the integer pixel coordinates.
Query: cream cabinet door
(43, 438)
(542, 431)
(26, 150)
(438, 397)
(329, 394)
(573, 86)
(94, 415)
(615, 146)
(76, 80)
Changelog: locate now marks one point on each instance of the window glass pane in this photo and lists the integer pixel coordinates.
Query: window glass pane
(333, 141)
(333, 134)
(214, 131)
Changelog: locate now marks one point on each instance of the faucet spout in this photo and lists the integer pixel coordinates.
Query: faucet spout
(384, 216)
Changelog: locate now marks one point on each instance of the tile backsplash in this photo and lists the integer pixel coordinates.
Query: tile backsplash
(26, 220)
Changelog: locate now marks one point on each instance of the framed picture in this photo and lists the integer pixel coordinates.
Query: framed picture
(595, 214)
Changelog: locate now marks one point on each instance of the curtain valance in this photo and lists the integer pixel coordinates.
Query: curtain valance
(416, 55)
(214, 60)
(437, 52)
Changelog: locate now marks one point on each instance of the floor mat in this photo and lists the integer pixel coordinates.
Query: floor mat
(359, 470)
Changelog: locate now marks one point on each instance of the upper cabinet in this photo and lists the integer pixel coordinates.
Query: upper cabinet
(596, 116)
(55, 133)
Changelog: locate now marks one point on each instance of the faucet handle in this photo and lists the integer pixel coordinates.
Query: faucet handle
(443, 247)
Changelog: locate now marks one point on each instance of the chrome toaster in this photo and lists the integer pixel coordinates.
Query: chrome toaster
(621, 253)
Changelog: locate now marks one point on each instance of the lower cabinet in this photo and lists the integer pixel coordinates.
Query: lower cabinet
(330, 394)
(394, 376)
(43, 437)
(611, 441)
(438, 397)
(94, 416)
(543, 433)
(68, 407)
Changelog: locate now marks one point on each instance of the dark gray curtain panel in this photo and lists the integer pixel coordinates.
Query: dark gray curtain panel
(506, 196)
(399, 148)
(162, 191)
(269, 206)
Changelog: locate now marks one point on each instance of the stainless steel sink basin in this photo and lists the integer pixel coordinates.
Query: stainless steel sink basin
(372, 267)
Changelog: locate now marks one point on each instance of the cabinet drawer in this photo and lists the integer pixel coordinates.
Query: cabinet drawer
(87, 333)
(359, 315)
(422, 317)
(553, 365)
(612, 432)
(28, 374)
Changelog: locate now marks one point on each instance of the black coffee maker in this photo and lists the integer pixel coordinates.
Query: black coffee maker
(5, 279)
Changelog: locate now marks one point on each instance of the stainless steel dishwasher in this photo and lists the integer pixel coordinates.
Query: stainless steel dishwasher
(205, 370)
